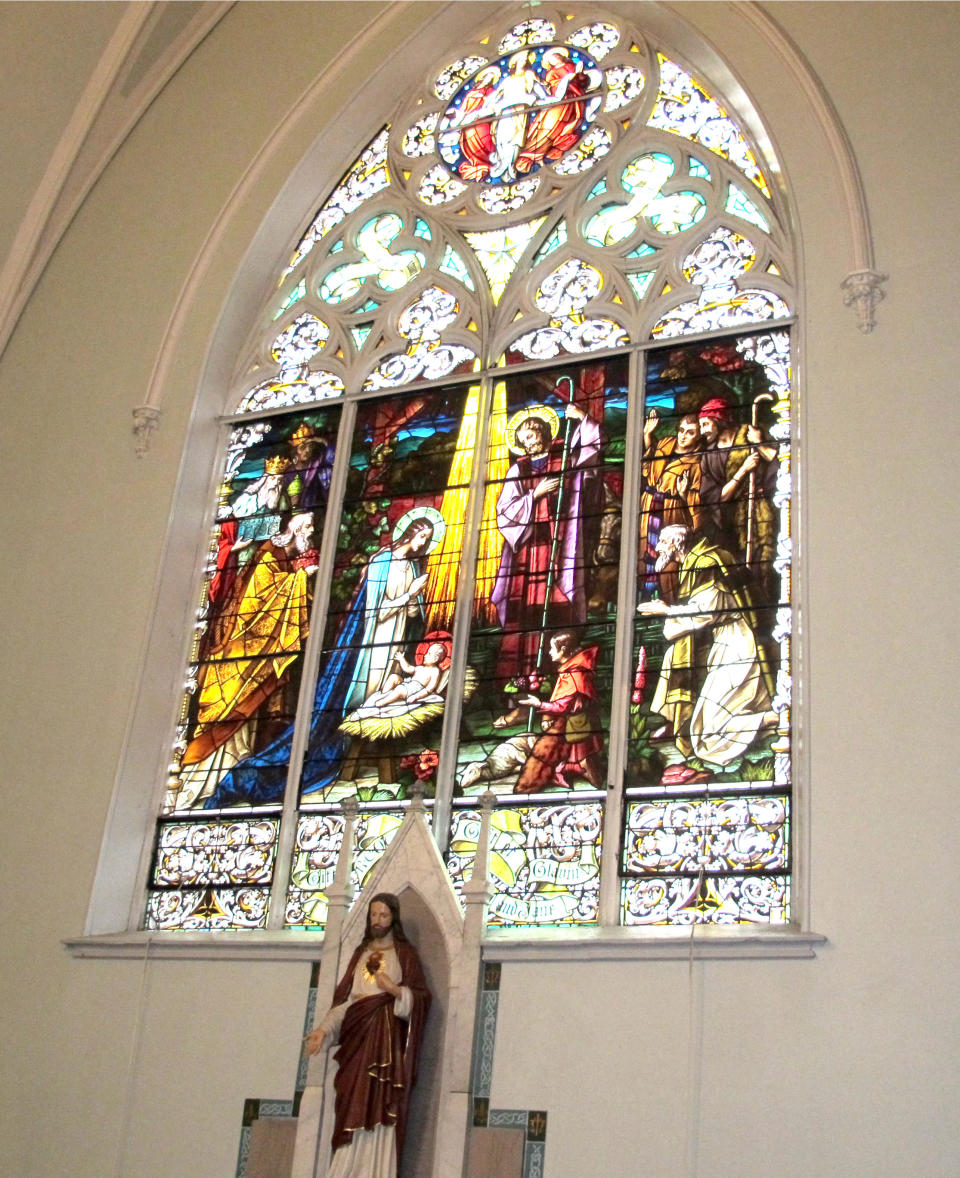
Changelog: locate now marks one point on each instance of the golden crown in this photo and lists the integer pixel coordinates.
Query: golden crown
(276, 465)
(302, 433)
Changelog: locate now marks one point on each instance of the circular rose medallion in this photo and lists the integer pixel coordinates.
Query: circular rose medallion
(520, 112)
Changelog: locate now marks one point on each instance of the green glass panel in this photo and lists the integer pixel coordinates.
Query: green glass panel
(641, 283)
(740, 206)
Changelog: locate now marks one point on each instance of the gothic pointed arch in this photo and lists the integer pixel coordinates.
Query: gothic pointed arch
(504, 502)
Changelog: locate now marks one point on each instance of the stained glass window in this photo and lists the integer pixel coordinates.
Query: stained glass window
(505, 505)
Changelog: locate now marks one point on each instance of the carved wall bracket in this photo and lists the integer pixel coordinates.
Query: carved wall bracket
(146, 418)
(862, 291)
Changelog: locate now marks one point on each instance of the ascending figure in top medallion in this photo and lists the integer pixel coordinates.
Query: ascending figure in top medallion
(555, 130)
(476, 136)
(494, 117)
(519, 112)
(516, 93)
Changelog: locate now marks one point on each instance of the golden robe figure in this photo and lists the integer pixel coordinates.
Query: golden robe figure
(257, 638)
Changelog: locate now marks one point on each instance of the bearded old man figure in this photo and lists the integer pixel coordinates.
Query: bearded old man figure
(378, 1013)
(714, 686)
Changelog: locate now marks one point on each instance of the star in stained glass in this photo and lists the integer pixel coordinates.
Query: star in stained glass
(499, 250)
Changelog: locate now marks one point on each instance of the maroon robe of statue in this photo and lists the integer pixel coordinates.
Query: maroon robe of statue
(378, 1053)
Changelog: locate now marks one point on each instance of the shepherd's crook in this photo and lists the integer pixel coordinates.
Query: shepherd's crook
(752, 482)
(555, 542)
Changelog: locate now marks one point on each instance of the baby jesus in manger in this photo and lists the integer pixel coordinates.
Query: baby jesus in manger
(421, 679)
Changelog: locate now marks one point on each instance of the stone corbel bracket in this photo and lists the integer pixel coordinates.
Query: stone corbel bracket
(146, 418)
(862, 290)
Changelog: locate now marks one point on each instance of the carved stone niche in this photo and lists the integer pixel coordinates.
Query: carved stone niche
(448, 941)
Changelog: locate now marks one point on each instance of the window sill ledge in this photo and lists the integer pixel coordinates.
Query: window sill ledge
(649, 944)
(225, 946)
(506, 945)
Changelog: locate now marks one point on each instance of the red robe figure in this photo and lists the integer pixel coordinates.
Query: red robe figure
(555, 130)
(379, 1009)
(476, 138)
(572, 739)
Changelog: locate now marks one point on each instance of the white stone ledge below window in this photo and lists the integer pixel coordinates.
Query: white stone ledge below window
(225, 946)
(506, 945)
(648, 944)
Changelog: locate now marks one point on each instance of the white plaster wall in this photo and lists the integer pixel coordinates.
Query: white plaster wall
(843, 1065)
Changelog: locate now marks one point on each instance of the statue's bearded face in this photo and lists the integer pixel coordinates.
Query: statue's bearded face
(381, 919)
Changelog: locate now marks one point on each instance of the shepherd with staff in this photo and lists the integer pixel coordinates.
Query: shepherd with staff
(738, 474)
(541, 515)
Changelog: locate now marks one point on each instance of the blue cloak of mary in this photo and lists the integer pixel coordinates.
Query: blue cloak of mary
(261, 778)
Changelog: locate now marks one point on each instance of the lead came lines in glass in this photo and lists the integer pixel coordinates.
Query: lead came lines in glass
(469, 165)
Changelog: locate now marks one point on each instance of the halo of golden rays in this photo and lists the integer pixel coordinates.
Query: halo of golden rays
(548, 416)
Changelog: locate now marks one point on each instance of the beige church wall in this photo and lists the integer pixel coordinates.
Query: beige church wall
(47, 35)
(842, 1065)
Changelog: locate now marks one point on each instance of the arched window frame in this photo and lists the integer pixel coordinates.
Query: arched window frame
(205, 430)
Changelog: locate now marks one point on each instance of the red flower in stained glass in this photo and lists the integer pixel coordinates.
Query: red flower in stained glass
(725, 357)
(427, 764)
